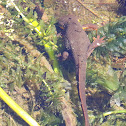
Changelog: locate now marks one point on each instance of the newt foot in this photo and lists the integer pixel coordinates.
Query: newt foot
(97, 42)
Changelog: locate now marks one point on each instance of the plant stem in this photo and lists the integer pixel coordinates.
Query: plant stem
(11, 103)
(114, 112)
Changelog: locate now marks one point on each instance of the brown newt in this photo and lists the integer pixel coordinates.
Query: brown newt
(76, 40)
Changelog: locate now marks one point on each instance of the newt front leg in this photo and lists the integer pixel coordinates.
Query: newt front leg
(97, 42)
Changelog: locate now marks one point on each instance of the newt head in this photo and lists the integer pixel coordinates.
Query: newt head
(65, 20)
(63, 23)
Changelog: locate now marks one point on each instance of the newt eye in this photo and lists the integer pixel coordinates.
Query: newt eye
(62, 27)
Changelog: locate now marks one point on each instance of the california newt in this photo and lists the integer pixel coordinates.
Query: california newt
(76, 40)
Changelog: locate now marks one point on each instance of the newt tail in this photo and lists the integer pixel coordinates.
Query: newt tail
(82, 80)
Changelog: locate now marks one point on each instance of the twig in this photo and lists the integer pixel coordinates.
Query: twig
(88, 8)
(67, 112)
